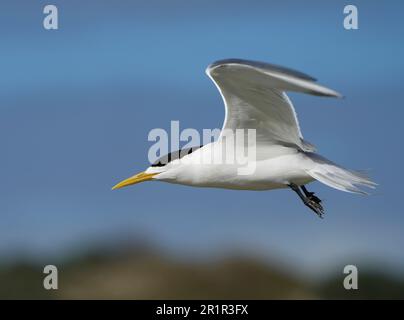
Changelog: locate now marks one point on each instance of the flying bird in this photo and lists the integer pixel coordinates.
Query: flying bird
(254, 97)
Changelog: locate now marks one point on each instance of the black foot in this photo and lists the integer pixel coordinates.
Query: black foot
(315, 206)
(311, 195)
(309, 199)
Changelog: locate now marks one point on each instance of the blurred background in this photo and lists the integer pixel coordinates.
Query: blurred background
(77, 104)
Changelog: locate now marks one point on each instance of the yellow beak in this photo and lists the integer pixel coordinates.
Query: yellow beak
(140, 177)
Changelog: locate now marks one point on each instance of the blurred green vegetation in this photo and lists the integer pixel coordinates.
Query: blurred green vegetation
(142, 273)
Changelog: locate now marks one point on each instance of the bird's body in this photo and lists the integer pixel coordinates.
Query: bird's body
(275, 172)
(278, 156)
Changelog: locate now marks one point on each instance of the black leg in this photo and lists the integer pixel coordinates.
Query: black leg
(308, 200)
(310, 195)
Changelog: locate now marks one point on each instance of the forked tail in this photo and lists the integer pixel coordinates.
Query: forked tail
(337, 177)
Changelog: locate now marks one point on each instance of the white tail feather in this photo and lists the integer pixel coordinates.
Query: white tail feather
(337, 177)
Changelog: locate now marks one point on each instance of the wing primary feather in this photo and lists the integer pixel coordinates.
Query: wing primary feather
(254, 98)
(262, 65)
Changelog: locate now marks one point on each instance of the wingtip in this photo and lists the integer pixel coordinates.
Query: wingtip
(335, 94)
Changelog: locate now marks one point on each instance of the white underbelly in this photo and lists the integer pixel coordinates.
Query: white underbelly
(275, 173)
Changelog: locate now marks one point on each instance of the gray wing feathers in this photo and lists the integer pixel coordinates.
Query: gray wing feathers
(284, 78)
(254, 97)
(263, 66)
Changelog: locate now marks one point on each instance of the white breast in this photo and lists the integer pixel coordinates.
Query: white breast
(207, 167)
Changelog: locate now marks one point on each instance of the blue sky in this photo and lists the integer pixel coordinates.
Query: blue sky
(77, 104)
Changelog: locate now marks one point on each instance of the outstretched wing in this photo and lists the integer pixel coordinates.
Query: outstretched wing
(254, 97)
